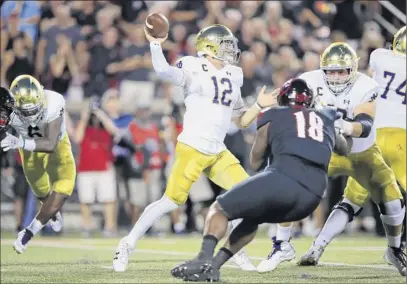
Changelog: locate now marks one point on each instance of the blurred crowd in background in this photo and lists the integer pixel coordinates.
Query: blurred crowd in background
(96, 55)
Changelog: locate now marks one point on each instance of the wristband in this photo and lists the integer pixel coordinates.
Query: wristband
(29, 145)
(258, 106)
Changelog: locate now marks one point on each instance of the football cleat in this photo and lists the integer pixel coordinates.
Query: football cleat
(23, 237)
(56, 222)
(397, 258)
(282, 251)
(312, 256)
(243, 261)
(121, 258)
(196, 270)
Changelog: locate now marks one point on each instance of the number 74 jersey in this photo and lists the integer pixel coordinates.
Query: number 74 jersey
(390, 73)
(212, 97)
(54, 108)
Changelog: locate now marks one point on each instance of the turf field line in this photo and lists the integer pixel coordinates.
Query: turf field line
(338, 248)
(174, 253)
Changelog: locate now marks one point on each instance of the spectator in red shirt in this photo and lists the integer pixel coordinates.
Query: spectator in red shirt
(147, 188)
(96, 176)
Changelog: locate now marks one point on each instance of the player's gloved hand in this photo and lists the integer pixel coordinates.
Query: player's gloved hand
(267, 99)
(11, 142)
(345, 126)
(150, 38)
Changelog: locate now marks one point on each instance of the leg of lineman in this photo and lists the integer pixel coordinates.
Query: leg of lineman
(282, 249)
(227, 172)
(343, 213)
(188, 166)
(355, 197)
(62, 177)
(265, 205)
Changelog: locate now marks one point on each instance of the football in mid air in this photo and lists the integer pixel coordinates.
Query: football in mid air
(157, 25)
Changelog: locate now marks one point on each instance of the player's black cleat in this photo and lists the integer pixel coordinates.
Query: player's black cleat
(196, 270)
(209, 274)
(397, 258)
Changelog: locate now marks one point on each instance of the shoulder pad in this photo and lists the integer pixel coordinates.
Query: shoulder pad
(265, 117)
(55, 104)
(379, 52)
(309, 75)
(186, 62)
(364, 82)
(329, 113)
(237, 74)
(375, 55)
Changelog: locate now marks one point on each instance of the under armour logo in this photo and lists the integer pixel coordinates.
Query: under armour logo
(346, 102)
(228, 73)
(373, 97)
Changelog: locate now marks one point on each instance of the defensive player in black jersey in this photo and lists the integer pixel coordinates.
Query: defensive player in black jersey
(299, 140)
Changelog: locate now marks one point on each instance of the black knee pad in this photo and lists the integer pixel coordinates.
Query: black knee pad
(246, 227)
(348, 209)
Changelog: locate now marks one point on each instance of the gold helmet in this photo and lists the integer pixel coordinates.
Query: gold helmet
(399, 42)
(340, 57)
(218, 42)
(29, 98)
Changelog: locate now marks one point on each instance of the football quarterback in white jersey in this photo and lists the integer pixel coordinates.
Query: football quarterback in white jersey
(353, 95)
(211, 85)
(45, 151)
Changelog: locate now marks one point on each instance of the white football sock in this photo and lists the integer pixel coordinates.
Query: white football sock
(179, 227)
(35, 226)
(283, 233)
(336, 224)
(152, 213)
(393, 219)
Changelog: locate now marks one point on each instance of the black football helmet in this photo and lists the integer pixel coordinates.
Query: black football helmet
(6, 108)
(297, 94)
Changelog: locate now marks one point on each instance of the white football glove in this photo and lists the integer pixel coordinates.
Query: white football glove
(345, 126)
(11, 142)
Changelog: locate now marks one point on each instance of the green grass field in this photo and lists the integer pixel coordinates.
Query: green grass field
(76, 260)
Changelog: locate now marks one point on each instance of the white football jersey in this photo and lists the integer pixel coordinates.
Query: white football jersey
(55, 107)
(390, 74)
(363, 90)
(212, 97)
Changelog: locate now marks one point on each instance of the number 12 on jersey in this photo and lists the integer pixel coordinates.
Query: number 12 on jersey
(225, 82)
(313, 129)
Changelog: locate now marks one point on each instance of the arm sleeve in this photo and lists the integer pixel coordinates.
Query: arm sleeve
(177, 76)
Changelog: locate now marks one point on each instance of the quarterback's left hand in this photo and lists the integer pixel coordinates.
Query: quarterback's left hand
(11, 142)
(267, 99)
(345, 126)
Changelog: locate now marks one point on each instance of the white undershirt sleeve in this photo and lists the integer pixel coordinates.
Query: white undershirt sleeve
(167, 72)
